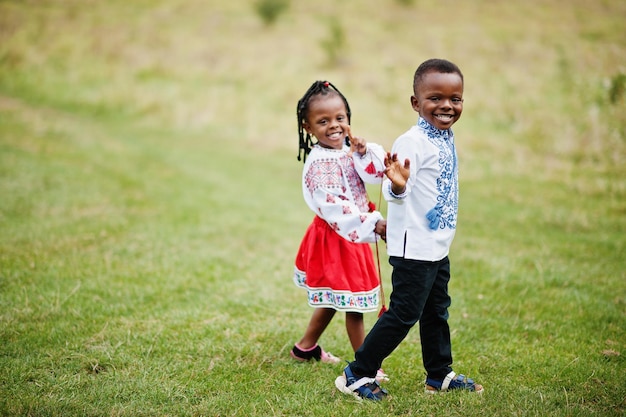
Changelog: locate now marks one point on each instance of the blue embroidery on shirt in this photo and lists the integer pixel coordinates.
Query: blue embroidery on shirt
(445, 211)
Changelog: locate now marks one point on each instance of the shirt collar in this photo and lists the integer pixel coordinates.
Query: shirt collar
(432, 131)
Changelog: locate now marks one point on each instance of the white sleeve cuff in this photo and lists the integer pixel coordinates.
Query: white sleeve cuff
(397, 196)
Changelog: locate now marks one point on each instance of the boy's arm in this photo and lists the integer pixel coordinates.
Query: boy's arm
(398, 173)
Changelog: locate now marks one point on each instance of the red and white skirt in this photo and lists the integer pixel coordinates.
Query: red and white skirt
(335, 272)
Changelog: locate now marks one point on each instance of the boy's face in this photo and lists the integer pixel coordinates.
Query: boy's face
(439, 99)
(327, 120)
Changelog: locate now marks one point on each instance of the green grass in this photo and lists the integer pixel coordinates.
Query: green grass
(150, 204)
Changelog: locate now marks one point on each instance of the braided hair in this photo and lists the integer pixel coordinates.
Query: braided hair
(318, 88)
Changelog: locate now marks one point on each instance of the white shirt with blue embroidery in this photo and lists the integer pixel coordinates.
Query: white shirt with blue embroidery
(421, 223)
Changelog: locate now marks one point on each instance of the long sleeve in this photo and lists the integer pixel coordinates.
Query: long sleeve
(334, 190)
(421, 223)
(371, 165)
(405, 148)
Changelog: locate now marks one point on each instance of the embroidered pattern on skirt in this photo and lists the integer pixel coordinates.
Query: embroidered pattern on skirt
(339, 300)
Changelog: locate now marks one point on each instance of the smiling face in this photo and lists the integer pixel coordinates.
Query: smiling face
(327, 120)
(439, 98)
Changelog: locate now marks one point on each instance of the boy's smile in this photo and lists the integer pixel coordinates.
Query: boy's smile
(439, 99)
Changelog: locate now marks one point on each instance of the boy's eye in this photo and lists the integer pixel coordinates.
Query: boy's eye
(456, 100)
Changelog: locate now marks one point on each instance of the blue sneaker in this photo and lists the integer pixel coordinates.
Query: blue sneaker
(452, 381)
(360, 388)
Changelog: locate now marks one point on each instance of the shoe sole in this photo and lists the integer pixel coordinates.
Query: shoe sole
(341, 384)
(328, 358)
(293, 355)
(434, 391)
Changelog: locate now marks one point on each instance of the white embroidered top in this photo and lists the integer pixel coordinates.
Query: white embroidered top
(421, 223)
(333, 187)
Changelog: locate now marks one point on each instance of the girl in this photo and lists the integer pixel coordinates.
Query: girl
(334, 263)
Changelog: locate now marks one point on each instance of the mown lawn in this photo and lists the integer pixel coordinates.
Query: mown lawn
(150, 203)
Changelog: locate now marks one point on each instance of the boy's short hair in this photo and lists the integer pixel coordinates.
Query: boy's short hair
(434, 65)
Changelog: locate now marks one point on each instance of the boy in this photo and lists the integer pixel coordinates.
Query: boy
(422, 196)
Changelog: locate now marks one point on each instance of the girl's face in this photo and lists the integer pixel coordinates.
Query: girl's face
(439, 99)
(327, 120)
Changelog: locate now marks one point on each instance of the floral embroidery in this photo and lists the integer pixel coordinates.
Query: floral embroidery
(323, 173)
(444, 213)
(334, 189)
(354, 182)
(339, 300)
(327, 173)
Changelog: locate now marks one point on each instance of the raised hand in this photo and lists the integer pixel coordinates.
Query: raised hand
(357, 144)
(397, 172)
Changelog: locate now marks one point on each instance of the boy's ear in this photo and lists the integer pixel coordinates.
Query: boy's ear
(415, 104)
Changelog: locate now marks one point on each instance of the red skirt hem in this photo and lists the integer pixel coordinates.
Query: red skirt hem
(336, 272)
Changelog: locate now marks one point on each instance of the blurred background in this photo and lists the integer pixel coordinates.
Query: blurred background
(545, 77)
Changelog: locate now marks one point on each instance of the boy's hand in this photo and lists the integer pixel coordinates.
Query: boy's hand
(397, 172)
(357, 144)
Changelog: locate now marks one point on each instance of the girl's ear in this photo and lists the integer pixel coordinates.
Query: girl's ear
(306, 127)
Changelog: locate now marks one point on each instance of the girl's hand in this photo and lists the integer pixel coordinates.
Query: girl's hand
(397, 172)
(381, 229)
(357, 144)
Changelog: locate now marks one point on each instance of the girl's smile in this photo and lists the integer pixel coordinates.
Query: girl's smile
(327, 120)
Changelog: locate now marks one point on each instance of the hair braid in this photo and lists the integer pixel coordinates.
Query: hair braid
(302, 109)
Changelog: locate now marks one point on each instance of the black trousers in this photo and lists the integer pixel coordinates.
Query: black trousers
(420, 293)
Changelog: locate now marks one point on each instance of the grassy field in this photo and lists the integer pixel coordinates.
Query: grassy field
(150, 203)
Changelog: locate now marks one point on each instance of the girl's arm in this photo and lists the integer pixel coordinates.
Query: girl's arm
(327, 195)
(370, 165)
(369, 159)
